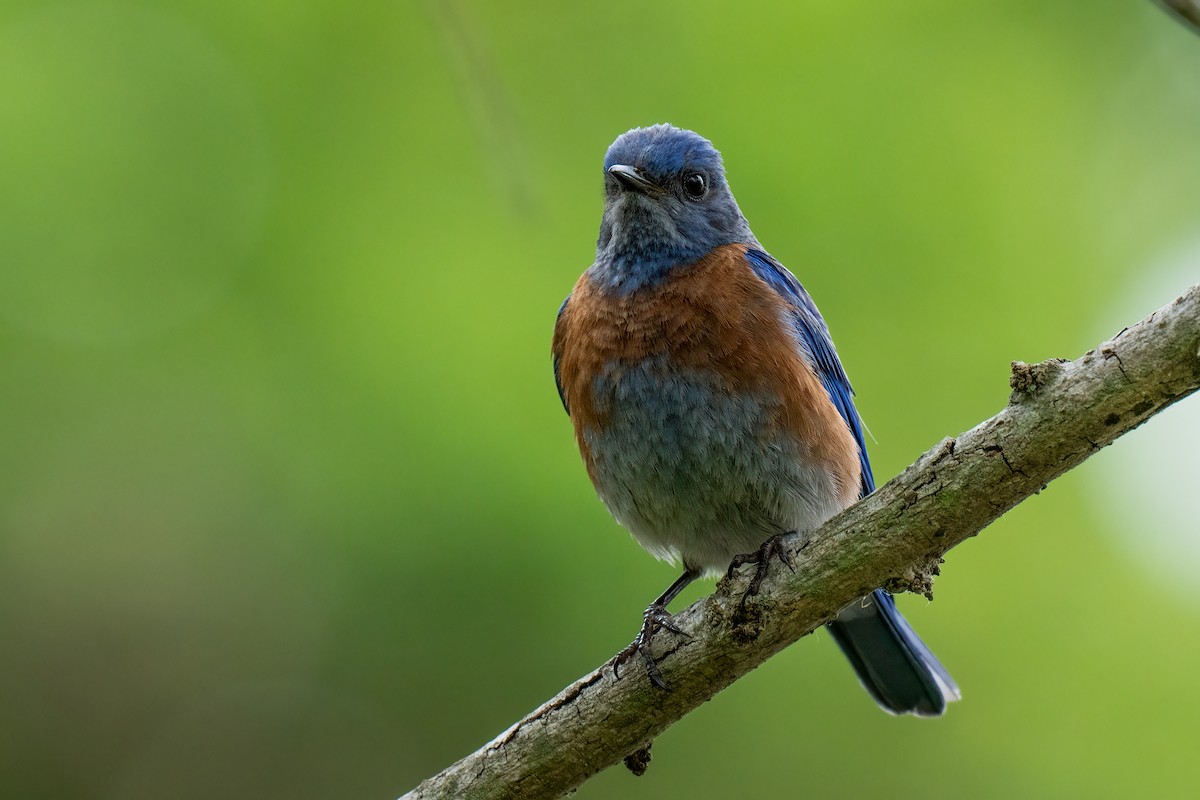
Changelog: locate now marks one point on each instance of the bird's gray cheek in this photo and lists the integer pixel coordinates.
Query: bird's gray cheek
(606, 232)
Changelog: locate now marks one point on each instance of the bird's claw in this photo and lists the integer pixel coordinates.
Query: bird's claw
(771, 548)
(655, 618)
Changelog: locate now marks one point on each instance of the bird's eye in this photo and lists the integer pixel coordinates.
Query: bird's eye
(695, 185)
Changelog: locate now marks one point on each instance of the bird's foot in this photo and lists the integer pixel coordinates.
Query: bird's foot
(771, 548)
(655, 618)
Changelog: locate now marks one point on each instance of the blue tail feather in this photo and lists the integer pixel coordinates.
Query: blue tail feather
(892, 662)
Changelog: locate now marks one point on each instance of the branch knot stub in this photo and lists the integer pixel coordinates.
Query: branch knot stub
(917, 579)
(1028, 379)
(637, 761)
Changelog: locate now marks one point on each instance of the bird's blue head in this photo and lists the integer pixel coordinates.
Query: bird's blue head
(666, 204)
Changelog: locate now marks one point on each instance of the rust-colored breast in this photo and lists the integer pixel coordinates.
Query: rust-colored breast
(714, 316)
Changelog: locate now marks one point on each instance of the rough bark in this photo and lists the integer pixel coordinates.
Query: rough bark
(1059, 413)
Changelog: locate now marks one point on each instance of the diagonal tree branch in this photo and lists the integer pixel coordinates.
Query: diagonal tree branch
(1059, 413)
(1187, 12)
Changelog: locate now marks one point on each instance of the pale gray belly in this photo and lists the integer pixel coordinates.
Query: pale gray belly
(695, 472)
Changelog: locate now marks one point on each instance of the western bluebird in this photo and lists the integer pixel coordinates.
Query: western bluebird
(709, 403)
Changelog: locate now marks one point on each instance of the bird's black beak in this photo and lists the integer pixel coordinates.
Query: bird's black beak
(632, 178)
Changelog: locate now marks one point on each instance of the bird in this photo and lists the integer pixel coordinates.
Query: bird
(709, 404)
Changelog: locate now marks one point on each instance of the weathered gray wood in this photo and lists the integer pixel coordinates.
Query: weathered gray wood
(1059, 413)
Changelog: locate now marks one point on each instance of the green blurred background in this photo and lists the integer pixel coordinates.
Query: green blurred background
(288, 504)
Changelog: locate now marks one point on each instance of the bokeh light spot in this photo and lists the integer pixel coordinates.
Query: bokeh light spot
(1147, 481)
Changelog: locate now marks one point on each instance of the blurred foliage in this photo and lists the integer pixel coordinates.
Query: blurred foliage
(288, 505)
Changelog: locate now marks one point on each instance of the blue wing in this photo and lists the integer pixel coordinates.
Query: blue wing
(892, 662)
(557, 379)
(813, 335)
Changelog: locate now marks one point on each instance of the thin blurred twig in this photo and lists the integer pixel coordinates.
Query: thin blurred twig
(487, 101)
(1186, 11)
(1060, 413)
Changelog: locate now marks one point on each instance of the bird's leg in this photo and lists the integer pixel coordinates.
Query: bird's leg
(655, 618)
(772, 547)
